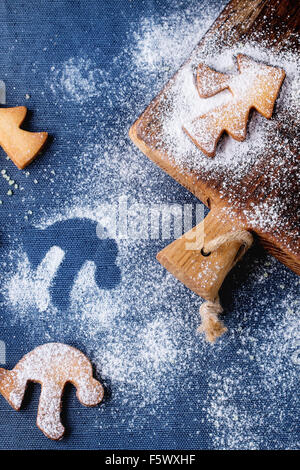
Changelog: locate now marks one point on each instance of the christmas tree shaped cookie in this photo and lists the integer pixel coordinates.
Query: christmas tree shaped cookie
(21, 146)
(256, 86)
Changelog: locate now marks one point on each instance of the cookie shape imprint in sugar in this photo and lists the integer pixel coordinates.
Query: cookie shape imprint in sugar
(256, 86)
(21, 146)
(52, 365)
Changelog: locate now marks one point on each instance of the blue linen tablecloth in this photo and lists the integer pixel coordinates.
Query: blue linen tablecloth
(86, 70)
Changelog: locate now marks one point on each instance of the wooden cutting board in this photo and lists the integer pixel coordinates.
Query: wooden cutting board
(250, 186)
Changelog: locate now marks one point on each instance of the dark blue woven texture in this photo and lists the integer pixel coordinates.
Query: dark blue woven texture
(35, 35)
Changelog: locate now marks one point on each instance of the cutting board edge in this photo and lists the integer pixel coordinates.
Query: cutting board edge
(211, 198)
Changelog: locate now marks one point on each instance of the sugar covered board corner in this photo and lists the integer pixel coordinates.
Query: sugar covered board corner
(249, 185)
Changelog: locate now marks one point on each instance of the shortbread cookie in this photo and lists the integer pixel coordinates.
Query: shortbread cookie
(21, 146)
(256, 86)
(52, 365)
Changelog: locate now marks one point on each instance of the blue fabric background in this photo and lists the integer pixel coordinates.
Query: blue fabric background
(26, 28)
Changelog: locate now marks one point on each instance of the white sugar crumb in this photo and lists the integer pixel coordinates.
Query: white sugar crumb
(141, 334)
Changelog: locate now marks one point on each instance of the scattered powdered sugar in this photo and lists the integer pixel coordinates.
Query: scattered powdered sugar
(29, 287)
(52, 365)
(185, 104)
(269, 153)
(174, 38)
(268, 215)
(78, 80)
(234, 409)
(141, 333)
(128, 332)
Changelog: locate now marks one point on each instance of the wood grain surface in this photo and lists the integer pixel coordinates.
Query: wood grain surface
(275, 23)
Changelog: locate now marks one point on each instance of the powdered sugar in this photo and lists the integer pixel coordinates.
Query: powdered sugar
(236, 416)
(79, 80)
(52, 365)
(267, 157)
(233, 157)
(141, 334)
(28, 288)
(174, 39)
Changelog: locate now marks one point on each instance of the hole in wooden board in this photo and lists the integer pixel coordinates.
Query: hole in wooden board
(205, 254)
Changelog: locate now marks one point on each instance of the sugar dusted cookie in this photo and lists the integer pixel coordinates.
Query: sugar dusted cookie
(21, 146)
(256, 86)
(52, 365)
